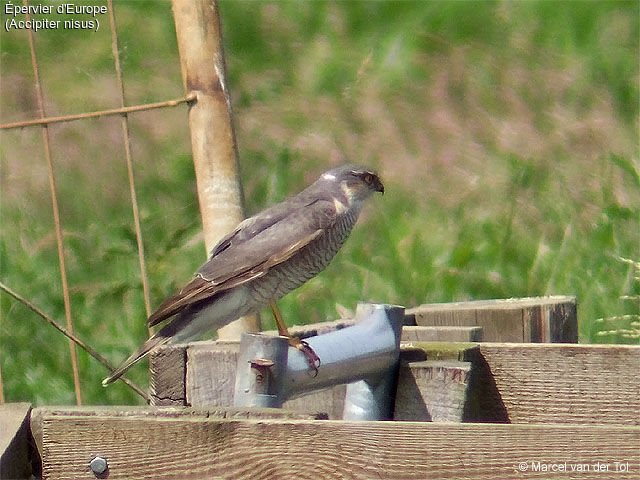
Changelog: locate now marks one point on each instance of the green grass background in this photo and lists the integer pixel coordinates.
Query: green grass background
(506, 133)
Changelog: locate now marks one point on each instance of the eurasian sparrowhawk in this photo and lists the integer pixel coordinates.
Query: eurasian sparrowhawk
(264, 258)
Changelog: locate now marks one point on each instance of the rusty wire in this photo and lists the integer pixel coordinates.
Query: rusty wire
(72, 338)
(44, 122)
(102, 113)
(129, 161)
(56, 212)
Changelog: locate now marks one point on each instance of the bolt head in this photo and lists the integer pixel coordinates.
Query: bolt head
(98, 465)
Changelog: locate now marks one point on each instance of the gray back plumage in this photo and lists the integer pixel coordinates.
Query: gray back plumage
(287, 243)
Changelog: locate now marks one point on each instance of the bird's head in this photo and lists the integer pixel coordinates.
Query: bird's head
(356, 182)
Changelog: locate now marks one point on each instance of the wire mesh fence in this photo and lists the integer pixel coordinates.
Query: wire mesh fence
(62, 152)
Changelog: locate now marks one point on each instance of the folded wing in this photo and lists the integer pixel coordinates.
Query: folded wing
(257, 245)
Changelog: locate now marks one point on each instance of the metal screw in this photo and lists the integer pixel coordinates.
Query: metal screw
(98, 465)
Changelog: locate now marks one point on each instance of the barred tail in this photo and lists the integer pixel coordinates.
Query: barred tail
(142, 352)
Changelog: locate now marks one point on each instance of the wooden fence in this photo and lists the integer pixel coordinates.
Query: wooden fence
(463, 409)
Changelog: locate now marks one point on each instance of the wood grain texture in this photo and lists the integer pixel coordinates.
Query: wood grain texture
(535, 319)
(441, 334)
(190, 448)
(325, 403)
(133, 411)
(105, 415)
(432, 391)
(167, 373)
(517, 383)
(549, 383)
(211, 373)
(537, 383)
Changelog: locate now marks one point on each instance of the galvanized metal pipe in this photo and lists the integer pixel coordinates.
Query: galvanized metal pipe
(367, 351)
(372, 398)
(262, 362)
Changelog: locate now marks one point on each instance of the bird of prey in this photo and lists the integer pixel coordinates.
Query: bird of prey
(263, 259)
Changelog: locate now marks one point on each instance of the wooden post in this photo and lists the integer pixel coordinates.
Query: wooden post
(167, 373)
(213, 143)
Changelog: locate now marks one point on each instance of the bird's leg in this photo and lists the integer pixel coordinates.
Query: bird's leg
(304, 347)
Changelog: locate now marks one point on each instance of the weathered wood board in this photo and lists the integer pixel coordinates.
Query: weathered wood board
(495, 382)
(432, 391)
(211, 373)
(167, 376)
(543, 383)
(441, 334)
(568, 383)
(203, 373)
(191, 447)
(538, 319)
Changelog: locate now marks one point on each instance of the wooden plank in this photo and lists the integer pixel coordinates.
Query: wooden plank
(535, 319)
(432, 391)
(105, 414)
(441, 334)
(167, 371)
(327, 403)
(568, 383)
(195, 448)
(543, 383)
(211, 373)
(15, 455)
(517, 383)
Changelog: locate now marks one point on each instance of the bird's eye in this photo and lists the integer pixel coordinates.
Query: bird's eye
(368, 178)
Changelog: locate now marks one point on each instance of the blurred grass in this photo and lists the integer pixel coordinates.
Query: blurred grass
(506, 133)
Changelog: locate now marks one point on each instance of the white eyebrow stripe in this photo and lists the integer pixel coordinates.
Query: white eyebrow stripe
(329, 176)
